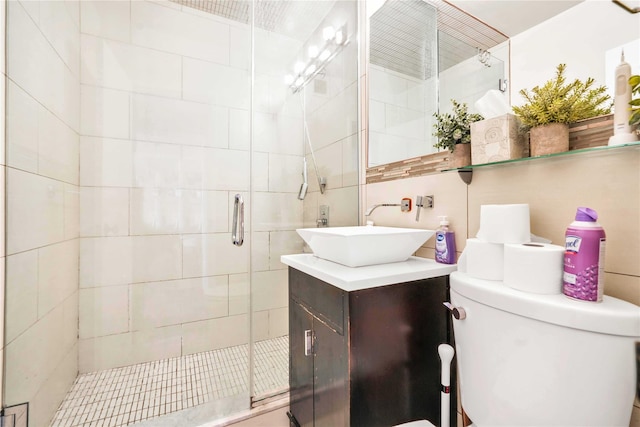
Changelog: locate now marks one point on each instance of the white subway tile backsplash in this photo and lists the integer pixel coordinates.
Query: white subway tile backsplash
(160, 28)
(105, 112)
(156, 258)
(213, 254)
(104, 211)
(35, 211)
(106, 162)
(105, 261)
(57, 274)
(216, 84)
(107, 19)
(116, 65)
(21, 309)
(104, 311)
(175, 302)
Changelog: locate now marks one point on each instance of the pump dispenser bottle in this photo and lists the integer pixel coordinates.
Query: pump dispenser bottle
(445, 243)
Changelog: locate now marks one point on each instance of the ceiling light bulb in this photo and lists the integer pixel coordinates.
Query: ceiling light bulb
(288, 79)
(298, 67)
(328, 33)
(324, 55)
(339, 37)
(313, 51)
(310, 69)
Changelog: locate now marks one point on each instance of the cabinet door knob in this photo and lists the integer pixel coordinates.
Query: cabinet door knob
(456, 312)
(308, 342)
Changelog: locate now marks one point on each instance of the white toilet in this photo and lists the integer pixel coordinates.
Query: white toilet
(543, 360)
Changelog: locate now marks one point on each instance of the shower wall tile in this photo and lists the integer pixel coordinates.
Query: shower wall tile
(58, 149)
(270, 290)
(277, 211)
(155, 165)
(215, 212)
(278, 322)
(42, 73)
(71, 211)
(127, 349)
(103, 311)
(212, 255)
(285, 173)
(107, 19)
(239, 129)
(260, 325)
(239, 47)
(329, 160)
(116, 65)
(275, 54)
(260, 171)
(260, 250)
(61, 28)
(104, 211)
(216, 84)
(215, 333)
(21, 293)
(227, 169)
(35, 214)
(190, 35)
(238, 294)
(280, 134)
(342, 202)
(156, 258)
(283, 243)
(155, 211)
(350, 161)
(57, 275)
(105, 261)
(106, 162)
(336, 119)
(105, 112)
(176, 302)
(177, 121)
(22, 132)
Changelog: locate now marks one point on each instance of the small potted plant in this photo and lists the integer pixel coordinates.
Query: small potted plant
(551, 107)
(454, 133)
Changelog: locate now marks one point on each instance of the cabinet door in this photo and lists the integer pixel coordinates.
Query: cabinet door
(300, 365)
(331, 400)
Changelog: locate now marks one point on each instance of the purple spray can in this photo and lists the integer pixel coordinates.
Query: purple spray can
(583, 277)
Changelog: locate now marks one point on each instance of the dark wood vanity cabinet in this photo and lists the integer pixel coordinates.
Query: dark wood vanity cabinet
(374, 354)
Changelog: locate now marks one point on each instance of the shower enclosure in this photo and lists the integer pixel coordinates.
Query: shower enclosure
(132, 127)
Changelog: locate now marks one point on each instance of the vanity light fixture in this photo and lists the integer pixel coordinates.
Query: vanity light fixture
(303, 73)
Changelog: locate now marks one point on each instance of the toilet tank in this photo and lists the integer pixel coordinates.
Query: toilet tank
(540, 360)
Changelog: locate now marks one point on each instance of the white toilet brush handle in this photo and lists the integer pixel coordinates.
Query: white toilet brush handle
(446, 355)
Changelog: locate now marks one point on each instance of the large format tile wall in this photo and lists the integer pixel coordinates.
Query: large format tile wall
(2, 187)
(43, 126)
(164, 149)
(553, 188)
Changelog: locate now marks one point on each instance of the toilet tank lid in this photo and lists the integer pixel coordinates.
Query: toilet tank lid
(611, 316)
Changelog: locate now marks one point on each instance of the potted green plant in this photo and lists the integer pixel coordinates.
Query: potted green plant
(454, 133)
(634, 82)
(551, 107)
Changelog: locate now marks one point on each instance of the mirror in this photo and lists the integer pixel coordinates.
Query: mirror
(422, 54)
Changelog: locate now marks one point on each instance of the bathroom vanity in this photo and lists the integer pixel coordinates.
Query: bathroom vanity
(363, 342)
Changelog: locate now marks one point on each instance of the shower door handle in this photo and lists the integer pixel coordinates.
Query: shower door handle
(237, 232)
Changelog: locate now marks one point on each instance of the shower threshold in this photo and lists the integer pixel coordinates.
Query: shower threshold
(132, 394)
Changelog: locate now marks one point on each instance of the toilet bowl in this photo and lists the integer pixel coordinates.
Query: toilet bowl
(530, 359)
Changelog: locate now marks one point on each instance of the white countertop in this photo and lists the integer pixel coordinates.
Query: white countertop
(371, 276)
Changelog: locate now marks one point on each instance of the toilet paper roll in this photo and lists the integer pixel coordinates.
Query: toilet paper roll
(504, 223)
(534, 267)
(484, 260)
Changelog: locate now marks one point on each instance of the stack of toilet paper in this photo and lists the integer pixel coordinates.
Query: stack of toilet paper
(503, 251)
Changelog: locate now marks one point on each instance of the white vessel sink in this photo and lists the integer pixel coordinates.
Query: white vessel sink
(364, 245)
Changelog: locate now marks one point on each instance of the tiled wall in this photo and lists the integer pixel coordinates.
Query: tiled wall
(607, 182)
(2, 187)
(42, 152)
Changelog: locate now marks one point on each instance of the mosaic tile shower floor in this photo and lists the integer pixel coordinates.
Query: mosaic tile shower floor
(124, 396)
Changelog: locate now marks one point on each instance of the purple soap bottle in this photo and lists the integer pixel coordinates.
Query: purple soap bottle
(445, 243)
(583, 277)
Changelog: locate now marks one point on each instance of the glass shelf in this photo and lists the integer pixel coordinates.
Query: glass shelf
(606, 149)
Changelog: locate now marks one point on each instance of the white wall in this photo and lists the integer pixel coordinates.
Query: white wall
(43, 116)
